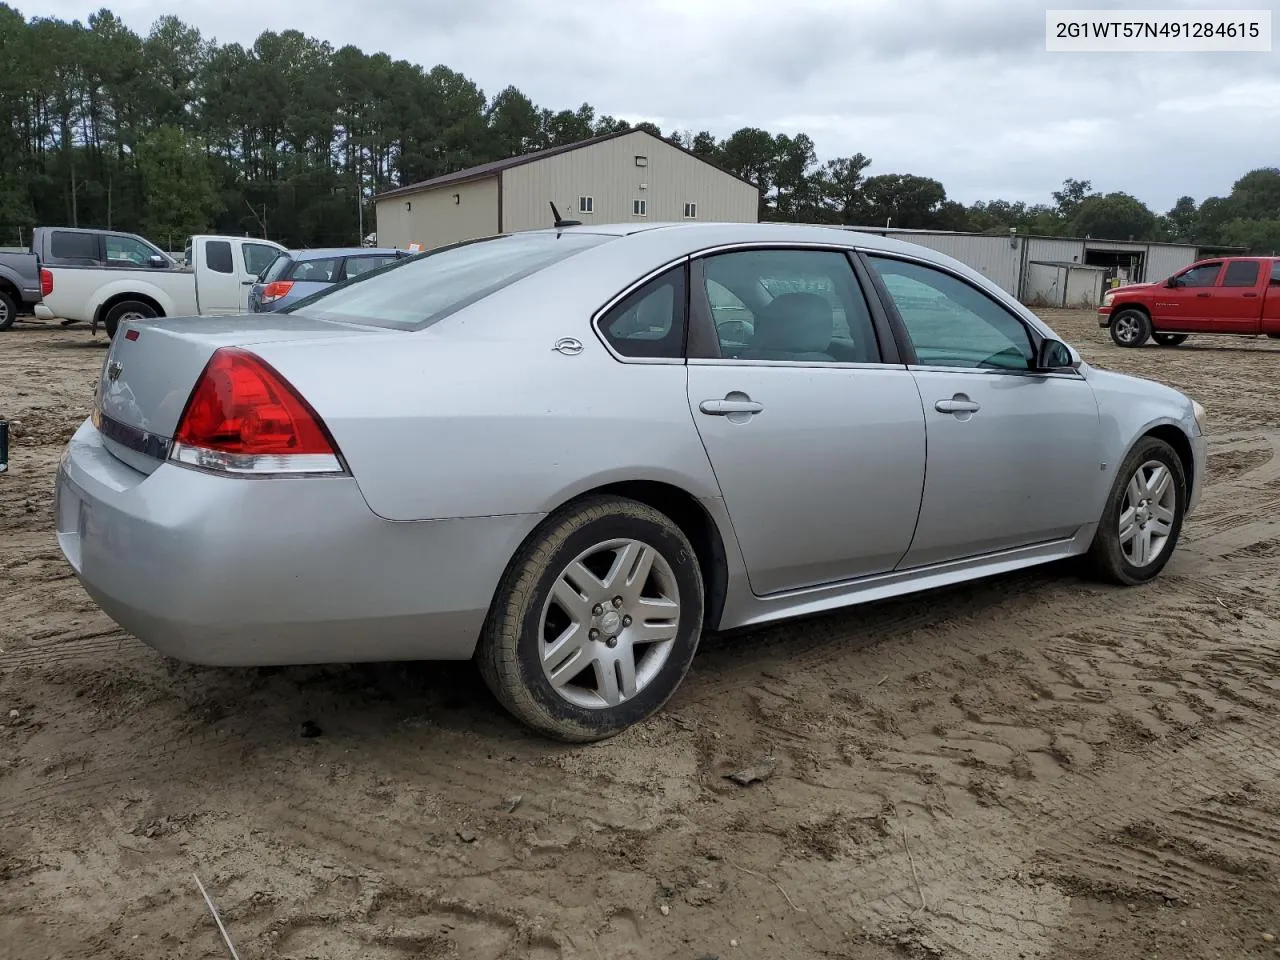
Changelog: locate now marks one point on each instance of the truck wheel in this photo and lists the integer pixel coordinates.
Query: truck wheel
(1130, 328)
(126, 310)
(1169, 339)
(8, 310)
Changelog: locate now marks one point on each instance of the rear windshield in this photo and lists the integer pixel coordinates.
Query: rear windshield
(276, 269)
(418, 291)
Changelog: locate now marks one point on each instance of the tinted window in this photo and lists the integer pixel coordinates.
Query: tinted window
(127, 252)
(1241, 273)
(257, 257)
(1275, 271)
(951, 323)
(421, 290)
(277, 269)
(64, 245)
(358, 265)
(315, 271)
(650, 321)
(788, 305)
(217, 256)
(1205, 275)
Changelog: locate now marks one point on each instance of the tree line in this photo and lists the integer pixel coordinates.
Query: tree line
(172, 133)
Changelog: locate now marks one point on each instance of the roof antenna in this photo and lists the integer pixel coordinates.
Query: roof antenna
(559, 222)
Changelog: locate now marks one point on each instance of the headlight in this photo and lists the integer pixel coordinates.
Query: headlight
(1199, 415)
(1107, 298)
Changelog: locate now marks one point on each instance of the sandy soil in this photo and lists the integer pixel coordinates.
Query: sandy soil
(1031, 767)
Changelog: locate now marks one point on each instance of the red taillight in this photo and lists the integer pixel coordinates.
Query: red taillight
(243, 417)
(276, 289)
(46, 282)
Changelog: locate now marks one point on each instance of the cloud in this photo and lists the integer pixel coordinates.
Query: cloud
(959, 90)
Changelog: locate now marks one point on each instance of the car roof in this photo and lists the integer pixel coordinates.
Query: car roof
(319, 253)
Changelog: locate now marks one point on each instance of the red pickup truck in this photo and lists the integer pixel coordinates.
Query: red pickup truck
(1239, 295)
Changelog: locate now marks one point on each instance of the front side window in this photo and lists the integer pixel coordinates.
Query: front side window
(1205, 275)
(650, 322)
(952, 324)
(1241, 273)
(800, 306)
(127, 252)
(217, 256)
(421, 290)
(1275, 271)
(257, 257)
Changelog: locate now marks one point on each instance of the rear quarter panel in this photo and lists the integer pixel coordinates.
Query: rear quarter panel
(438, 427)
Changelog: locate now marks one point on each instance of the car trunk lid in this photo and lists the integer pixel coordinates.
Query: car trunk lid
(152, 366)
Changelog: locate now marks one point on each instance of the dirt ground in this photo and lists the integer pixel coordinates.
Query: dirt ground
(1029, 767)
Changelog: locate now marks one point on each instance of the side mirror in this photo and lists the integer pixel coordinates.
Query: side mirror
(1171, 282)
(157, 262)
(1054, 355)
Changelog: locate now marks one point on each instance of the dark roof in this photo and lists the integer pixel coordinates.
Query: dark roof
(483, 170)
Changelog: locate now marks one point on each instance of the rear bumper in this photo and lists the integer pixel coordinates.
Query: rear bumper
(43, 312)
(246, 572)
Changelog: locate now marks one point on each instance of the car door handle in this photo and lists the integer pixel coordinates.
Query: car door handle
(957, 405)
(722, 408)
(1248, 294)
(1202, 294)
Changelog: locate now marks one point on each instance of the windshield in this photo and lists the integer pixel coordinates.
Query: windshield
(415, 292)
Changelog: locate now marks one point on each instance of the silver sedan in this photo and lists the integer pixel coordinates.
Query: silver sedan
(568, 453)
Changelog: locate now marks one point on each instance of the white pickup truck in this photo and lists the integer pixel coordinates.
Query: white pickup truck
(104, 277)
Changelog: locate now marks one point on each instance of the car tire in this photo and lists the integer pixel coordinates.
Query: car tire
(1130, 328)
(1169, 339)
(545, 593)
(1118, 558)
(8, 310)
(126, 310)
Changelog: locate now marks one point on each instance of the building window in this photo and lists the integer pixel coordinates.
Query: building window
(639, 208)
(691, 211)
(586, 205)
(642, 161)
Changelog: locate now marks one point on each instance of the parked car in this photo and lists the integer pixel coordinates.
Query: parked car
(1234, 295)
(104, 277)
(19, 286)
(292, 276)
(539, 450)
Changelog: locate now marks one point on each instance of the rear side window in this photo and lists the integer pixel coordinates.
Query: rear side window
(419, 291)
(650, 321)
(358, 265)
(217, 256)
(65, 245)
(1275, 271)
(315, 271)
(1241, 273)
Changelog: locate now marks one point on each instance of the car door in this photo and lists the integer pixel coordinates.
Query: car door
(217, 276)
(813, 428)
(1014, 455)
(255, 257)
(1188, 304)
(1236, 302)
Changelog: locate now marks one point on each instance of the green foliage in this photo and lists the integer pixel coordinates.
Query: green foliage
(171, 133)
(180, 195)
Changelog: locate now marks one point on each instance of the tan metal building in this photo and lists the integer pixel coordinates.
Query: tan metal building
(615, 178)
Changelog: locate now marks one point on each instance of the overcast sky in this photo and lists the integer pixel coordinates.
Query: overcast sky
(959, 90)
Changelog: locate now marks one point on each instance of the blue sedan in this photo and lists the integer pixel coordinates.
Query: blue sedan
(292, 276)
